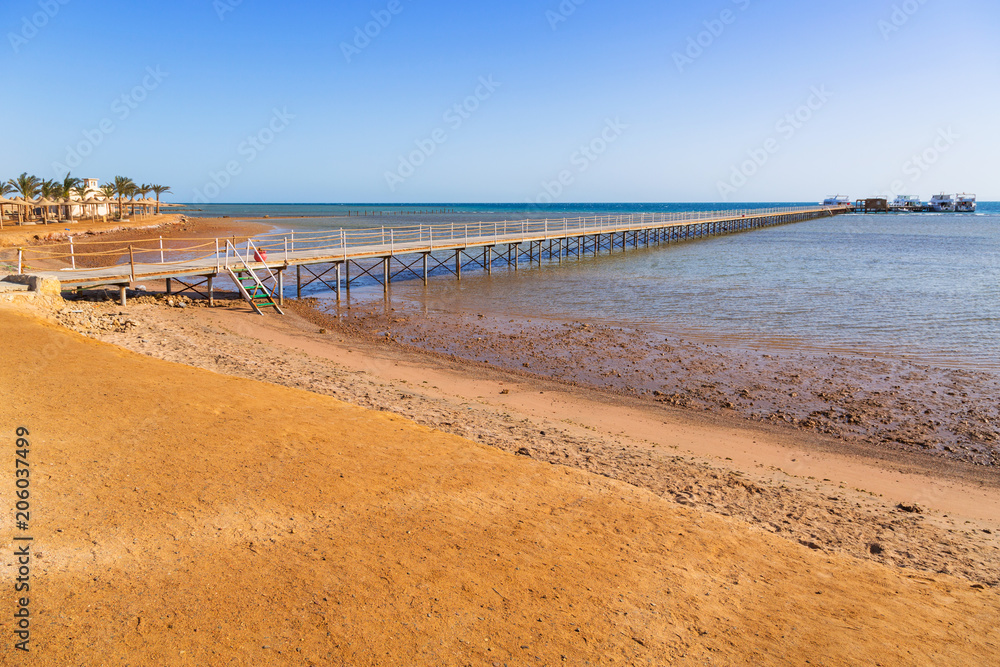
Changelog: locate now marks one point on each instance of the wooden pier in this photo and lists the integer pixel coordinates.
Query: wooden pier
(342, 258)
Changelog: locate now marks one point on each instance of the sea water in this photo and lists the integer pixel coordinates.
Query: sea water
(918, 285)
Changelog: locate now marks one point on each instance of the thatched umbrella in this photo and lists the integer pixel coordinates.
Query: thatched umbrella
(21, 201)
(5, 202)
(93, 201)
(45, 204)
(150, 204)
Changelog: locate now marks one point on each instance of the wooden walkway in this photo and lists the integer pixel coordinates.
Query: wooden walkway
(338, 259)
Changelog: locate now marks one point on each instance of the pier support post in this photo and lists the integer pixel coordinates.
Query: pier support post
(488, 259)
(347, 278)
(517, 255)
(169, 285)
(121, 293)
(338, 280)
(385, 274)
(281, 286)
(211, 290)
(425, 268)
(298, 281)
(458, 264)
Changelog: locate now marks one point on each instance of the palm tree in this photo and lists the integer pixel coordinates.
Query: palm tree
(132, 191)
(66, 192)
(27, 187)
(80, 191)
(159, 190)
(123, 186)
(143, 191)
(49, 190)
(109, 191)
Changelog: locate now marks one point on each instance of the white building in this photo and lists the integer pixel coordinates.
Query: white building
(92, 190)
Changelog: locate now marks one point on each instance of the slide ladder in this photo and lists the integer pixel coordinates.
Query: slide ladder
(253, 289)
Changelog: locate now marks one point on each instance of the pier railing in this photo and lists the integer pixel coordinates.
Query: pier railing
(73, 256)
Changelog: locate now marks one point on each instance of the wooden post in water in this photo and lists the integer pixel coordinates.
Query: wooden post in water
(458, 264)
(385, 274)
(338, 281)
(298, 281)
(426, 254)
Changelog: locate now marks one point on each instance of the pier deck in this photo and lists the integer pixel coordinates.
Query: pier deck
(396, 251)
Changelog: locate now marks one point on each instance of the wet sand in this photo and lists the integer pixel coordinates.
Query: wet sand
(889, 404)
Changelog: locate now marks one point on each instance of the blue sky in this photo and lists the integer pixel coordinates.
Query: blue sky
(572, 101)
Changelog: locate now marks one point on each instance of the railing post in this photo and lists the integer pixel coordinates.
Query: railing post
(161, 250)
(217, 258)
(131, 262)
(286, 250)
(293, 240)
(392, 242)
(343, 242)
(20, 261)
(72, 254)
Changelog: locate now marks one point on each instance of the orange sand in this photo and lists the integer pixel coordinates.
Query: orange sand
(189, 518)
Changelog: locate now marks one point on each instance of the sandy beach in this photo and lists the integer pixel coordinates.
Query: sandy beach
(516, 456)
(810, 488)
(247, 522)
